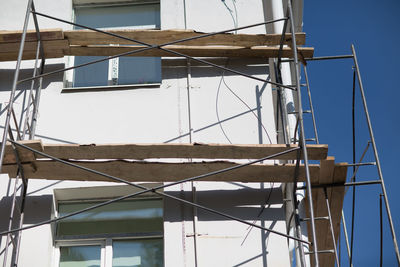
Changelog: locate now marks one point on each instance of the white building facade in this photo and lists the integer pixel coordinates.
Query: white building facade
(149, 100)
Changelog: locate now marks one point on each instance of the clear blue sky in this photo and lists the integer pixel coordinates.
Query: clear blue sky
(373, 27)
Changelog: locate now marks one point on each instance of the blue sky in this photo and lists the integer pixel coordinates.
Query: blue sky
(372, 26)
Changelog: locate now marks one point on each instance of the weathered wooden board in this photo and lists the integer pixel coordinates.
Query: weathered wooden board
(24, 154)
(45, 34)
(194, 51)
(208, 151)
(31, 55)
(88, 37)
(336, 204)
(161, 172)
(335, 197)
(32, 46)
(323, 226)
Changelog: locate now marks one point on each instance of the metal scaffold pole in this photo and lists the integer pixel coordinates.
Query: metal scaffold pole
(302, 135)
(7, 128)
(378, 164)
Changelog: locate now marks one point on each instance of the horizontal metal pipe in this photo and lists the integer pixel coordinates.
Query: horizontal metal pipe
(362, 164)
(321, 251)
(343, 184)
(316, 218)
(321, 58)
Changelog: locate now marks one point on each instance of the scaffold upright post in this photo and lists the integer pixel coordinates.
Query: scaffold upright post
(302, 134)
(378, 164)
(10, 109)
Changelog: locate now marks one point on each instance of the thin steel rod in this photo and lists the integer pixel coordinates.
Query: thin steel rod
(149, 46)
(145, 189)
(378, 164)
(17, 128)
(346, 236)
(331, 227)
(311, 104)
(321, 58)
(359, 161)
(302, 134)
(164, 44)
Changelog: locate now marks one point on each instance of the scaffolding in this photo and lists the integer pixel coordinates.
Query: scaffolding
(325, 181)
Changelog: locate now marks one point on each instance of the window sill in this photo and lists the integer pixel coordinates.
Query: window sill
(110, 87)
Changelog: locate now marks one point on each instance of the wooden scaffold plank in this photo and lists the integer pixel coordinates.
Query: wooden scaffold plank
(160, 171)
(88, 37)
(175, 150)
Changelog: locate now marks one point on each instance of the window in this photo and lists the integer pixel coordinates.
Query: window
(121, 234)
(123, 70)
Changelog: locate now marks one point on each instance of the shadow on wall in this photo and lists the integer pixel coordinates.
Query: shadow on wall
(243, 203)
(177, 68)
(7, 76)
(37, 209)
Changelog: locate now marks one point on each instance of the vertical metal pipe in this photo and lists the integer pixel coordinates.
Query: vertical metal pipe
(302, 135)
(353, 206)
(311, 104)
(14, 86)
(331, 226)
(30, 97)
(9, 111)
(281, 106)
(10, 222)
(378, 164)
(193, 185)
(298, 227)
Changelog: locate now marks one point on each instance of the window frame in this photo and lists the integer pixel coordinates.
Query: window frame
(69, 76)
(88, 194)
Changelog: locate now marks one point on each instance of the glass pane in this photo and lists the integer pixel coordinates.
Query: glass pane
(139, 70)
(133, 16)
(131, 70)
(80, 256)
(91, 75)
(130, 253)
(132, 216)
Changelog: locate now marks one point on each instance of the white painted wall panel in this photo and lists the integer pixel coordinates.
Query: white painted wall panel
(161, 115)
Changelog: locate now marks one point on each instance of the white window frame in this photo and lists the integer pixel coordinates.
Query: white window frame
(104, 250)
(82, 194)
(112, 80)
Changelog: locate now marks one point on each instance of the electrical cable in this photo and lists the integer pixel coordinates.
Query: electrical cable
(222, 80)
(236, 22)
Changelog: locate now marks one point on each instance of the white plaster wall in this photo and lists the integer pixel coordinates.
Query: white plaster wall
(161, 115)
